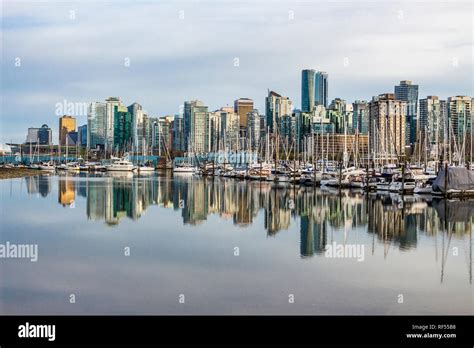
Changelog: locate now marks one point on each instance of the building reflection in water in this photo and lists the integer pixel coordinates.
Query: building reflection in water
(38, 184)
(388, 218)
(66, 190)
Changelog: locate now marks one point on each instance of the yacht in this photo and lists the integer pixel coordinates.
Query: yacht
(401, 185)
(424, 187)
(48, 166)
(146, 168)
(72, 167)
(184, 168)
(121, 165)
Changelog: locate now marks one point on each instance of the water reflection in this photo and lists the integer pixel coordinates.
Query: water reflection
(388, 217)
(183, 231)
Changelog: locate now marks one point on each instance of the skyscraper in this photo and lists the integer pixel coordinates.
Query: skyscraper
(199, 129)
(110, 103)
(242, 107)
(276, 106)
(460, 127)
(432, 120)
(361, 116)
(66, 124)
(307, 90)
(387, 117)
(230, 126)
(82, 135)
(178, 133)
(96, 123)
(137, 122)
(408, 93)
(187, 119)
(321, 88)
(253, 129)
(122, 129)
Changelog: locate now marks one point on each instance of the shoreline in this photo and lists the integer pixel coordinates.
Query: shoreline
(12, 173)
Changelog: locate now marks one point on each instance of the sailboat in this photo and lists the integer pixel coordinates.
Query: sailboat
(147, 167)
(48, 166)
(33, 165)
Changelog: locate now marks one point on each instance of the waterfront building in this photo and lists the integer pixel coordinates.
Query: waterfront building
(276, 107)
(288, 130)
(96, 125)
(230, 126)
(432, 123)
(45, 135)
(178, 133)
(72, 138)
(41, 136)
(351, 124)
(408, 93)
(136, 110)
(242, 107)
(110, 104)
(321, 88)
(387, 117)
(66, 124)
(187, 120)
(122, 130)
(82, 135)
(199, 129)
(333, 145)
(337, 114)
(308, 90)
(253, 129)
(460, 127)
(163, 132)
(215, 124)
(360, 116)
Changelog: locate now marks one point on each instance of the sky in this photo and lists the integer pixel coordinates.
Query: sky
(161, 53)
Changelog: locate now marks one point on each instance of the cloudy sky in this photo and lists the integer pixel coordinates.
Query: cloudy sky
(56, 51)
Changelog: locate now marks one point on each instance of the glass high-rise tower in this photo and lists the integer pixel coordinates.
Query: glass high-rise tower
(321, 89)
(408, 93)
(307, 90)
(314, 89)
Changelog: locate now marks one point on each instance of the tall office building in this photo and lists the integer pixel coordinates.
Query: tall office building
(123, 139)
(242, 107)
(387, 117)
(178, 133)
(307, 90)
(66, 124)
(82, 135)
(135, 110)
(253, 129)
(230, 127)
(460, 126)
(408, 93)
(321, 89)
(110, 104)
(187, 120)
(96, 124)
(214, 128)
(163, 134)
(432, 120)
(336, 113)
(199, 129)
(360, 116)
(276, 106)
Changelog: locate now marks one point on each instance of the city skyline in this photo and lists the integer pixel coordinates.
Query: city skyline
(72, 66)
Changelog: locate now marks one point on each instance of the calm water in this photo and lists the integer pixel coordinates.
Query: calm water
(182, 233)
